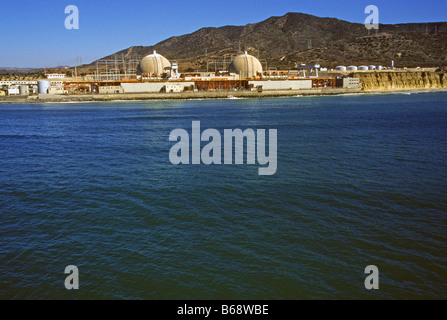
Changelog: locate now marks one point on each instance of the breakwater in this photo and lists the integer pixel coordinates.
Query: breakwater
(173, 95)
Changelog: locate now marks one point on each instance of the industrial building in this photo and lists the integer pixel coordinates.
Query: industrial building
(348, 83)
(18, 87)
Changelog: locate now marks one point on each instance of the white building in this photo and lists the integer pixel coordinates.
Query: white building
(349, 83)
(55, 75)
(13, 90)
(57, 90)
(174, 87)
(110, 89)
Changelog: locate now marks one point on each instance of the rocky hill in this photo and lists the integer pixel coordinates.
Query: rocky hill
(301, 38)
(392, 80)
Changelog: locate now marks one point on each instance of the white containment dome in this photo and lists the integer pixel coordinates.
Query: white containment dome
(246, 66)
(153, 64)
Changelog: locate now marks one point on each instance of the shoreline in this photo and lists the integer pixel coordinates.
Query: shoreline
(129, 97)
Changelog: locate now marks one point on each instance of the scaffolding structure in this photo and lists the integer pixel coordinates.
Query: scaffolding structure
(116, 69)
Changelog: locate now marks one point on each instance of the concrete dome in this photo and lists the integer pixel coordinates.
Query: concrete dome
(153, 63)
(245, 65)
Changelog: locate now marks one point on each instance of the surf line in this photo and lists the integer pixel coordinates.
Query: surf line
(211, 153)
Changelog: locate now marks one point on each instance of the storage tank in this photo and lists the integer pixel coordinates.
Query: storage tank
(42, 86)
(372, 67)
(23, 90)
(340, 68)
(352, 68)
(363, 68)
(379, 68)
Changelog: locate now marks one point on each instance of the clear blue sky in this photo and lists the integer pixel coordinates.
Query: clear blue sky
(33, 32)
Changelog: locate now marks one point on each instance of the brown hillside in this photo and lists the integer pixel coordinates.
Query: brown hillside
(283, 41)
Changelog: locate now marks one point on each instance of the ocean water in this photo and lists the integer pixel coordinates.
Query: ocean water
(361, 180)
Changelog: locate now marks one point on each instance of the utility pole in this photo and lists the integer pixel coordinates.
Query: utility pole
(116, 68)
(124, 65)
(206, 55)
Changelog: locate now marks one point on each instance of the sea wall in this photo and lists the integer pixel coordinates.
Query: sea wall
(282, 84)
(141, 87)
(173, 95)
(398, 80)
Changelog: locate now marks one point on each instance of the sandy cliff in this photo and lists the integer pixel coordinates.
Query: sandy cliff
(372, 81)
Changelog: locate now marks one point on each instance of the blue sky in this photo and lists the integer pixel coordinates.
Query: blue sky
(33, 32)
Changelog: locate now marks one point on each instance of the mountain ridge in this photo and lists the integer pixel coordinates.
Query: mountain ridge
(283, 41)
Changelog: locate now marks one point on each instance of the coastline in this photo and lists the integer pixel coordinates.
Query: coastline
(129, 97)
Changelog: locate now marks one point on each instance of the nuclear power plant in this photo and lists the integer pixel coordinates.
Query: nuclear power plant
(154, 73)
